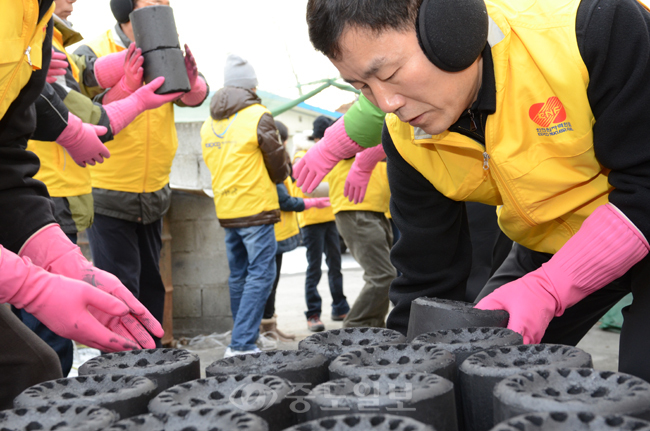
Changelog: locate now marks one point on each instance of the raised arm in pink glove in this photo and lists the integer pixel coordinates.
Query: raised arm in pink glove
(51, 250)
(64, 305)
(606, 247)
(82, 143)
(357, 180)
(317, 203)
(335, 146)
(132, 78)
(122, 112)
(198, 87)
(109, 69)
(58, 66)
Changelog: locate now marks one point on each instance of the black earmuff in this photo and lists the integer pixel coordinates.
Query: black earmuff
(121, 10)
(452, 33)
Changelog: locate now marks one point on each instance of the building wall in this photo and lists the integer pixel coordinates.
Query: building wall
(199, 264)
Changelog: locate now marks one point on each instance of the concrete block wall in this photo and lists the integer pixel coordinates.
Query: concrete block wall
(201, 302)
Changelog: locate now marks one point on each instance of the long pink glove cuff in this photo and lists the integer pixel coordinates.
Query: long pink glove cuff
(122, 112)
(109, 69)
(117, 92)
(606, 247)
(339, 143)
(316, 203)
(368, 159)
(197, 94)
(335, 146)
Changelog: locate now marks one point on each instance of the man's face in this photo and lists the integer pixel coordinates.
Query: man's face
(63, 8)
(391, 70)
(144, 3)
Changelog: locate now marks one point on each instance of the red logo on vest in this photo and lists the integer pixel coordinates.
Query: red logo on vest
(546, 113)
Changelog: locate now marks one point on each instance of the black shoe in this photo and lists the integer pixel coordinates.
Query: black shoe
(339, 317)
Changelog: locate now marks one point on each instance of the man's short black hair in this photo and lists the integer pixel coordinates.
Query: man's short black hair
(326, 19)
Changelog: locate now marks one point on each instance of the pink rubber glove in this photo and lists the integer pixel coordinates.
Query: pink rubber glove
(335, 146)
(50, 249)
(82, 142)
(122, 112)
(132, 79)
(198, 87)
(317, 203)
(58, 66)
(64, 305)
(606, 247)
(357, 180)
(109, 69)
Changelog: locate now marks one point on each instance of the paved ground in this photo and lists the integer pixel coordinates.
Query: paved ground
(290, 307)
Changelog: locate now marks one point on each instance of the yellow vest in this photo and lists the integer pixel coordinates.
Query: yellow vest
(240, 182)
(312, 215)
(142, 153)
(538, 164)
(62, 176)
(377, 193)
(288, 224)
(21, 46)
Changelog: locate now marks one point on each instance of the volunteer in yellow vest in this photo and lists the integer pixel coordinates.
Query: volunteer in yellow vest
(242, 149)
(319, 235)
(132, 192)
(369, 236)
(67, 182)
(536, 108)
(46, 278)
(287, 235)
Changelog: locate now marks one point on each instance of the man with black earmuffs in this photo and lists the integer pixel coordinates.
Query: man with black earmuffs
(538, 109)
(132, 193)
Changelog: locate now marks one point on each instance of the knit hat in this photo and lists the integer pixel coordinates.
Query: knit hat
(320, 124)
(239, 73)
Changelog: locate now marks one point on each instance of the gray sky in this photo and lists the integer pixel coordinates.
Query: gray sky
(271, 35)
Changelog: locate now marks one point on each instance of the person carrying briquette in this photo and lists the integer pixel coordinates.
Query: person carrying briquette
(536, 108)
(131, 192)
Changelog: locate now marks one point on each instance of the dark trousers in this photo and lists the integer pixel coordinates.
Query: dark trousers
(62, 346)
(25, 360)
(269, 308)
(318, 239)
(489, 246)
(131, 252)
(576, 321)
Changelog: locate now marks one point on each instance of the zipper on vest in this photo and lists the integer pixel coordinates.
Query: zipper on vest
(472, 127)
(486, 161)
(506, 189)
(29, 57)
